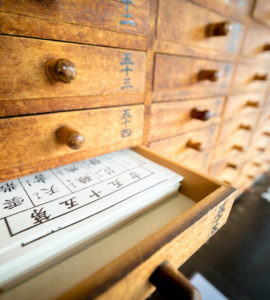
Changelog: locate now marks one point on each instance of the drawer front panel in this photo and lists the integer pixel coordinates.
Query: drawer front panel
(251, 77)
(36, 147)
(173, 118)
(257, 42)
(224, 172)
(183, 74)
(100, 70)
(239, 129)
(185, 22)
(126, 16)
(192, 149)
(261, 11)
(243, 104)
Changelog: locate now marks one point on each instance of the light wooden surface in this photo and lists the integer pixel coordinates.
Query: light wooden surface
(100, 70)
(35, 145)
(261, 11)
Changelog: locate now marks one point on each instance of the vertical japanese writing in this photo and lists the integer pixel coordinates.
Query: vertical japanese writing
(127, 15)
(7, 187)
(125, 120)
(218, 216)
(127, 63)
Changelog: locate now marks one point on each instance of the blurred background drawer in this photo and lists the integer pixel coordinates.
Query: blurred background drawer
(185, 22)
(91, 70)
(185, 75)
(243, 104)
(106, 14)
(192, 149)
(30, 144)
(251, 77)
(262, 10)
(175, 117)
(225, 171)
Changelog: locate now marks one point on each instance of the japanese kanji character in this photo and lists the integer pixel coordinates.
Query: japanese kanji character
(40, 216)
(7, 187)
(12, 203)
(70, 203)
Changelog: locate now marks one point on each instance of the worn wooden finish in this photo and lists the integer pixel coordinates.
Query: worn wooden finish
(245, 103)
(176, 24)
(100, 70)
(261, 11)
(175, 117)
(192, 149)
(105, 15)
(182, 77)
(226, 172)
(251, 77)
(36, 147)
(49, 29)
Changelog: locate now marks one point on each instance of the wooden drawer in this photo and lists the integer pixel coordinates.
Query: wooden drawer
(251, 77)
(100, 70)
(119, 264)
(35, 146)
(261, 11)
(239, 129)
(225, 172)
(257, 42)
(175, 117)
(185, 22)
(189, 76)
(259, 145)
(192, 149)
(123, 16)
(243, 104)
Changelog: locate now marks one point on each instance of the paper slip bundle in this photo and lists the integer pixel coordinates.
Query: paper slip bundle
(46, 214)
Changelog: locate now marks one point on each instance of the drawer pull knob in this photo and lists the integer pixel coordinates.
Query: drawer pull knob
(232, 166)
(252, 103)
(60, 70)
(218, 29)
(72, 138)
(211, 75)
(267, 133)
(171, 284)
(203, 115)
(245, 127)
(238, 147)
(266, 47)
(256, 163)
(198, 146)
(261, 149)
(260, 77)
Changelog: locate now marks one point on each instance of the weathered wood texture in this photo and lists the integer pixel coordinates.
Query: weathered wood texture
(182, 78)
(181, 148)
(100, 70)
(174, 117)
(105, 15)
(261, 11)
(185, 22)
(36, 147)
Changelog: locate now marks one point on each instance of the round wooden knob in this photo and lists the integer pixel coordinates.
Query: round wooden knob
(171, 284)
(245, 127)
(253, 103)
(72, 138)
(231, 165)
(260, 77)
(198, 146)
(238, 147)
(211, 75)
(203, 115)
(266, 47)
(62, 70)
(218, 29)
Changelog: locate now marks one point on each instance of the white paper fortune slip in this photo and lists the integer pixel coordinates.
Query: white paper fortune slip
(46, 214)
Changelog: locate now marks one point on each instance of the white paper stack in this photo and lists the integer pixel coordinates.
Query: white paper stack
(46, 215)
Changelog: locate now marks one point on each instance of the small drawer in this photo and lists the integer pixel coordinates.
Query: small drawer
(259, 145)
(251, 170)
(35, 68)
(239, 129)
(262, 10)
(225, 172)
(123, 16)
(186, 76)
(243, 104)
(192, 149)
(185, 22)
(169, 230)
(251, 77)
(176, 117)
(34, 143)
(257, 42)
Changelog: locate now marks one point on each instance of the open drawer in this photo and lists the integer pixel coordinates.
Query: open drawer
(118, 264)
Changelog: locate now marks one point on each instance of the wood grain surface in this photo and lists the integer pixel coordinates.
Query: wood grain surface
(35, 146)
(100, 70)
